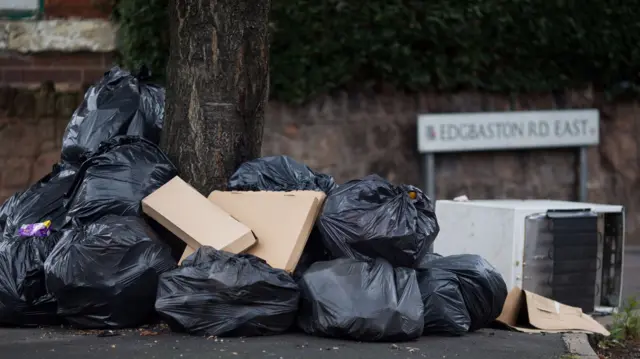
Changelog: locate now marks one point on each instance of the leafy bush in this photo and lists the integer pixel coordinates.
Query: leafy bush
(625, 330)
(626, 323)
(492, 45)
(143, 36)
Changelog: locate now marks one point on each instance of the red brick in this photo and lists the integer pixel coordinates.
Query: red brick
(78, 8)
(48, 145)
(85, 13)
(76, 59)
(12, 75)
(92, 76)
(72, 3)
(16, 172)
(5, 193)
(109, 59)
(13, 60)
(61, 127)
(18, 138)
(38, 75)
(42, 166)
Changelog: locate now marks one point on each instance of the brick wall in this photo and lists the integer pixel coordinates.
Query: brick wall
(31, 128)
(86, 9)
(30, 55)
(352, 135)
(71, 69)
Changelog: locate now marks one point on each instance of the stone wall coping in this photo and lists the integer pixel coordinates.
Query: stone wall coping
(64, 35)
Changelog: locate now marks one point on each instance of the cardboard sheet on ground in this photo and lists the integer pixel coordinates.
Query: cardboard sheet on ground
(531, 313)
(281, 221)
(195, 220)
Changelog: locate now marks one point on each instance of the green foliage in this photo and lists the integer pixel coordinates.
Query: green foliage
(493, 45)
(143, 36)
(626, 323)
(624, 329)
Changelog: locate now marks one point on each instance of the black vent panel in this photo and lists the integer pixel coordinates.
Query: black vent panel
(575, 257)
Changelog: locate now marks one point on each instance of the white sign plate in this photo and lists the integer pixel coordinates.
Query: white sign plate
(454, 132)
(19, 4)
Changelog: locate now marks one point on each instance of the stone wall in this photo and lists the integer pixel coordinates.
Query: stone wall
(68, 52)
(31, 128)
(351, 135)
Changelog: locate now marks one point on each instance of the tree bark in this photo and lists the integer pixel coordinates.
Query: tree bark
(217, 87)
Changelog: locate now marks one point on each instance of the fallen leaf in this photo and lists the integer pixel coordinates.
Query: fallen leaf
(107, 333)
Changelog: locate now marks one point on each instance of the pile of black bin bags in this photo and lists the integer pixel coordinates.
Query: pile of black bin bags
(365, 274)
(383, 284)
(99, 267)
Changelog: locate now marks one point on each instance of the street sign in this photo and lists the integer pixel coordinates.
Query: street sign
(457, 132)
(19, 5)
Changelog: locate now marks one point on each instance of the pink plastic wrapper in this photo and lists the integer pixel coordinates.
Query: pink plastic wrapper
(35, 229)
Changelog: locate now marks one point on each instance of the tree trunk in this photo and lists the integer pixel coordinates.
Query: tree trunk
(217, 87)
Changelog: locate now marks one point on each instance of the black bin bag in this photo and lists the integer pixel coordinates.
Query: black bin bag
(118, 104)
(278, 173)
(445, 311)
(360, 300)
(282, 173)
(6, 208)
(482, 287)
(43, 201)
(105, 274)
(216, 293)
(24, 300)
(370, 218)
(426, 258)
(116, 178)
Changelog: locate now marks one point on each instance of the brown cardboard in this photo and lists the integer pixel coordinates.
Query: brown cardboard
(282, 221)
(195, 220)
(532, 313)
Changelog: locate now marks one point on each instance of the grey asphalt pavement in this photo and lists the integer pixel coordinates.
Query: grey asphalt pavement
(61, 344)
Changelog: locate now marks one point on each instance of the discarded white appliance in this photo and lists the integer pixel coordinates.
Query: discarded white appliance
(568, 251)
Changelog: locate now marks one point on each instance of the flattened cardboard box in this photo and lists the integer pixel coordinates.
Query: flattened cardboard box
(281, 221)
(532, 313)
(195, 220)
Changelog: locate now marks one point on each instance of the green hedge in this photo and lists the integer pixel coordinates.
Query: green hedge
(497, 45)
(143, 37)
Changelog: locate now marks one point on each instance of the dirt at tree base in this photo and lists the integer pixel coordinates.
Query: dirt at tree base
(629, 351)
(625, 350)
